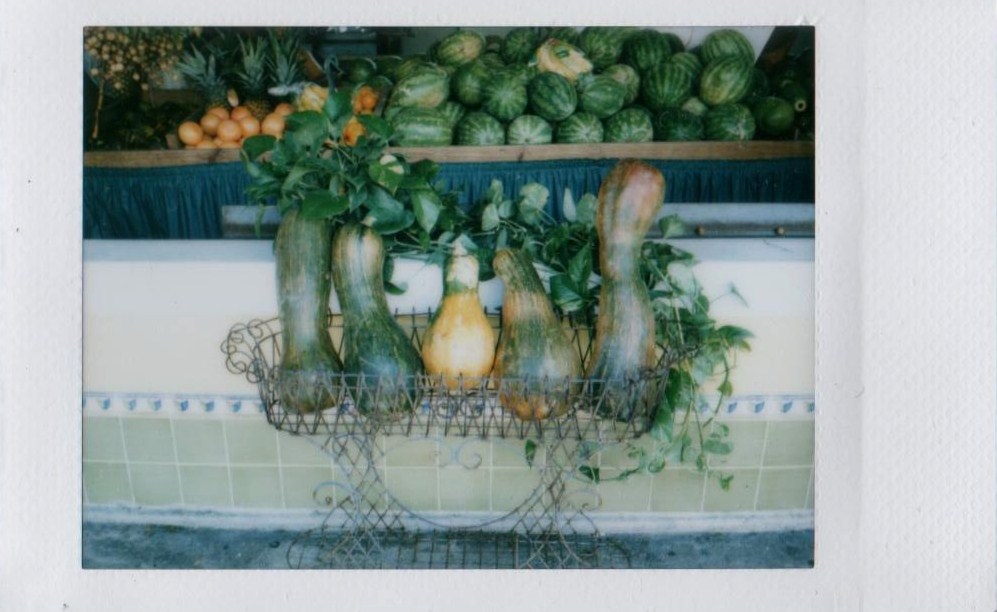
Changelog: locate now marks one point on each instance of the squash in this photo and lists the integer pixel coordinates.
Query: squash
(536, 366)
(459, 345)
(375, 347)
(309, 366)
(624, 347)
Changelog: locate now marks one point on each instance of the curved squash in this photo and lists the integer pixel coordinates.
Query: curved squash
(629, 199)
(309, 364)
(374, 344)
(459, 343)
(534, 359)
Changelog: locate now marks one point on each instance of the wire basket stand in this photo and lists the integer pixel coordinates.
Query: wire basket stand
(367, 526)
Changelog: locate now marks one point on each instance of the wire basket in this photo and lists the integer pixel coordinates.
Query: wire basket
(582, 408)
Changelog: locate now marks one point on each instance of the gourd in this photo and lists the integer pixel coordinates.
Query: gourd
(624, 347)
(535, 365)
(309, 367)
(459, 345)
(375, 347)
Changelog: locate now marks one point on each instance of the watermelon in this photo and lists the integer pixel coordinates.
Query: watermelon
(688, 62)
(674, 124)
(729, 122)
(505, 97)
(523, 73)
(387, 65)
(528, 129)
(360, 69)
(630, 125)
(676, 43)
(726, 43)
(459, 48)
(492, 60)
(410, 66)
(518, 45)
(551, 96)
(453, 111)
(603, 45)
(695, 106)
(479, 129)
(421, 127)
(629, 77)
(726, 80)
(580, 128)
(795, 94)
(468, 83)
(428, 87)
(601, 95)
(645, 49)
(759, 87)
(567, 34)
(665, 86)
(773, 116)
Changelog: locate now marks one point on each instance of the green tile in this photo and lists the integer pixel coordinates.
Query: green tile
(677, 490)
(299, 450)
(464, 489)
(467, 453)
(403, 451)
(155, 485)
(199, 441)
(102, 439)
(740, 497)
(415, 488)
(256, 487)
(106, 482)
(790, 443)
(302, 485)
(746, 439)
(205, 485)
(148, 439)
(783, 488)
(251, 442)
(512, 486)
(630, 495)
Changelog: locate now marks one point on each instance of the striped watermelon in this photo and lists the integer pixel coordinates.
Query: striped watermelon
(603, 45)
(479, 129)
(388, 65)
(567, 34)
(552, 96)
(726, 43)
(518, 45)
(677, 125)
(421, 127)
(677, 45)
(759, 87)
(629, 125)
(453, 111)
(528, 129)
(601, 95)
(580, 128)
(523, 73)
(468, 83)
(645, 49)
(688, 62)
(505, 97)
(492, 60)
(629, 77)
(428, 87)
(695, 106)
(410, 66)
(729, 122)
(726, 80)
(459, 48)
(665, 86)
(773, 116)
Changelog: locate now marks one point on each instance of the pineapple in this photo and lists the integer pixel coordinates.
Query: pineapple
(252, 77)
(201, 72)
(284, 65)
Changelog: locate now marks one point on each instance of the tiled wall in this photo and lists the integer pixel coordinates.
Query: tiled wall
(194, 458)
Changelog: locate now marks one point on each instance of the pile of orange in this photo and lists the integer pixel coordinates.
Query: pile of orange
(221, 128)
(365, 100)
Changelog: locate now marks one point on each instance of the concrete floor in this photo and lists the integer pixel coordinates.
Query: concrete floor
(144, 546)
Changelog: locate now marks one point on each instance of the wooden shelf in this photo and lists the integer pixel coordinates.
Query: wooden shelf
(757, 149)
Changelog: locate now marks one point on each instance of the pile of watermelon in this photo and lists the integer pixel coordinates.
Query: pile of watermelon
(593, 85)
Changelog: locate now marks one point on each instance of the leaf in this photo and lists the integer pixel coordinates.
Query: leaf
(426, 204)
(506, 209)
(716, 447)
(254, 146)
(530, 451)
(425, 169)
(495, 193)
(725, 481)
(375, 126)
(580, 267)
(585, 209)
(733, 290)
(589, 472)
(568, 206)
(339, 104)
(726, 389)
(306, 129)
(296, 178)
(386, 175)
(565, 293)
(320, 204)
(387, 271)
(489, 218)
(671, 226)
(502, 240)
(386, 214)
(532, 200)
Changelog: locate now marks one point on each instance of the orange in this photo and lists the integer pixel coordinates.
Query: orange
(207, 143)
(230, 144)
(239, 112)
(250, 126)
(229, 130)
(220, 111)
(209, 123)
(190, 133)
(284, 109)
(352, 131)
(273, 124)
